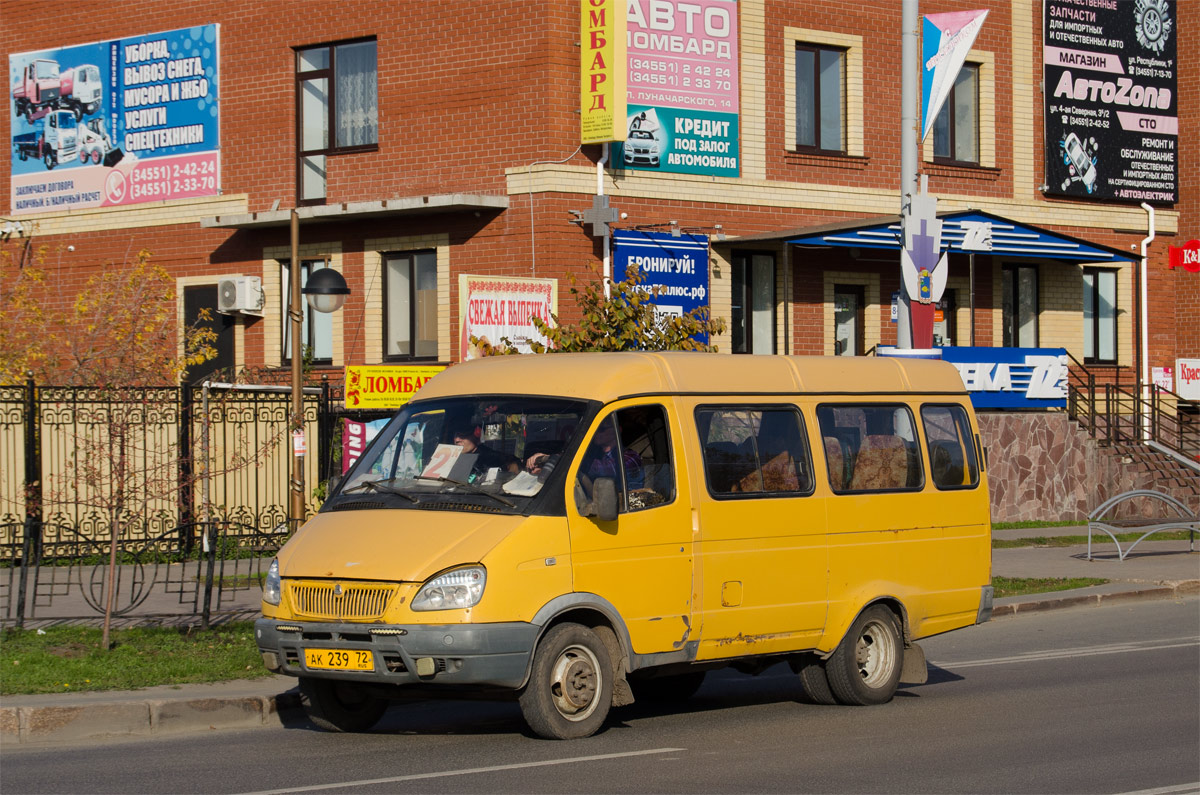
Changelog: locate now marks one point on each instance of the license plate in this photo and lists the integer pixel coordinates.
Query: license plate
(339, 659)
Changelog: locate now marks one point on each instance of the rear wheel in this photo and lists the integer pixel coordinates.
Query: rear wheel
(865, 668)
(811, 670)
(667, 689)
(571, 685)
(340, 706)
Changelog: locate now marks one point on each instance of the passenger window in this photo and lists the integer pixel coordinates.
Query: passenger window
(754, 451)
(952, 462)
(632, 447)
(870, 448)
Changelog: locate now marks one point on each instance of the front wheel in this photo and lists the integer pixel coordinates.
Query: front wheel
(865, 668)
(570, 687)
(49, 160)
(340, 706)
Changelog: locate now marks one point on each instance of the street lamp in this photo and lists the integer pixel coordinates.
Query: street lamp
(326, 290)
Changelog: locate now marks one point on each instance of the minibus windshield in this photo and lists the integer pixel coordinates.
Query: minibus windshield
(498, 449)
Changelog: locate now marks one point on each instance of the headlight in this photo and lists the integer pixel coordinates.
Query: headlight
(272, 585)
(453, 590)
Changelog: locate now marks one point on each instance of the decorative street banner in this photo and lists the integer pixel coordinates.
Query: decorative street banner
(1112, 117)
(115, 122)
(495, 307)
(384, 386)
(945, 41)
(355, 438)
(683, 87)
(677, 266)
(602, 71)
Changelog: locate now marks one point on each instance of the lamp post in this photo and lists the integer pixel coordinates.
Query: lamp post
(326, 290)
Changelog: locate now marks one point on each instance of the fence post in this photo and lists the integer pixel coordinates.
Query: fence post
(211, 560)
(186, 470)
(325, 432)
(1091, 382)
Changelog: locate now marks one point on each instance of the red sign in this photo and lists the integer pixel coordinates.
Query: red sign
(1186, 257)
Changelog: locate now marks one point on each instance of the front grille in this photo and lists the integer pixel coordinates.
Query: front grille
(342, 601)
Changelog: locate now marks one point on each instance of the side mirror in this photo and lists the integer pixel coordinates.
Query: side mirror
(604, 500)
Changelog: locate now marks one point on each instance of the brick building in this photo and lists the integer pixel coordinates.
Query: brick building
(413, 165)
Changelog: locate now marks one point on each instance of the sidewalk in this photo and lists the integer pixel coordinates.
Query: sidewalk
(1155, 570)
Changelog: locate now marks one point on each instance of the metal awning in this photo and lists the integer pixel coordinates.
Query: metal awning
(1009, 238)
(356, 211)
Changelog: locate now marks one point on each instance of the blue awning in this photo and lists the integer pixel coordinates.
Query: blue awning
(1009, 238)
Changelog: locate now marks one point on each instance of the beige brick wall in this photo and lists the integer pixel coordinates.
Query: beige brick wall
(871, 324)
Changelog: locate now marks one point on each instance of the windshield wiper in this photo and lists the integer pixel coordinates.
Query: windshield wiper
(472, 488)
(374, 485)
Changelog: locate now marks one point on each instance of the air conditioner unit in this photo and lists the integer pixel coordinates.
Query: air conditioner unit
(242, 294)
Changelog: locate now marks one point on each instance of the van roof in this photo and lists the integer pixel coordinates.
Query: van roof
(609, 376)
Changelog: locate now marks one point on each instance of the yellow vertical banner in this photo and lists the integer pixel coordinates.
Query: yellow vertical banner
(602, 71)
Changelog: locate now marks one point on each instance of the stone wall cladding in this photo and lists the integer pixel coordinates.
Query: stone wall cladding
(1044, 467)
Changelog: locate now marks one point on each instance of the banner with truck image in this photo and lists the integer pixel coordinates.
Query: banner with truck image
(115, 122)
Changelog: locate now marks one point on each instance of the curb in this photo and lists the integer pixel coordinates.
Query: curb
(1164, 590)
(140, 718)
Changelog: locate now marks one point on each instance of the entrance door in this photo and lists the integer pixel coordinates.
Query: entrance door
(848, 320)
(641, 562)
(205, 297)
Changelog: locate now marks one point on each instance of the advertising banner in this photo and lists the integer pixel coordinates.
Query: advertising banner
(602, 70)
(1187, 373)
(676, 266)
(683, 87)
(355, 438)
(1186, 256)
(115, 122)
(383, 386)
(1004, 378)
(1112, 115)
(496, 307)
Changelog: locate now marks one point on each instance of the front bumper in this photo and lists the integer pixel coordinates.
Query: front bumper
(450, 654)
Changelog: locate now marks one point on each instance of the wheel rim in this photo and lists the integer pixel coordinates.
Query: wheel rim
(575, 683)
(875, 654)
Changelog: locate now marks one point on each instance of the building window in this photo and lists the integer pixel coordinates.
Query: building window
(820, 98)
(753, 303)
(336, 90)
(1099, 316)
(1019, 291)
(411, 307)
(956, 127)
(316, 330)
(848, 336)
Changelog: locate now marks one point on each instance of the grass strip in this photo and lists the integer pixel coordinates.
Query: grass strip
(1023, 586)
(1029, 525)
(1070, 541)
(69, 659)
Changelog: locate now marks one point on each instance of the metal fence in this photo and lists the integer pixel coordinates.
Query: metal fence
(204, 510)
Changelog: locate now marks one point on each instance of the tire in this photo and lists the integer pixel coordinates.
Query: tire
(96, 157)
(340, 706)
(78, 111)
(865, 668)
(570, 686)
(667, 689)
(811, 670)
(50, 160)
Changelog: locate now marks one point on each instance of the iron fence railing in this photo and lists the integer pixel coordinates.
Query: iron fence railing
(198, 548)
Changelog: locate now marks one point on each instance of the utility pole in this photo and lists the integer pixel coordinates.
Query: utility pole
(909, 53)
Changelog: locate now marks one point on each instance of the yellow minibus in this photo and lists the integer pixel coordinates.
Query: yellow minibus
(580, 530)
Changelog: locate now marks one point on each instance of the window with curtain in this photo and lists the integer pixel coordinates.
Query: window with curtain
(316, 330)
(1099, 316)
(820, 98)
(337, 109)
(1019, 301)
(956, 127)
(753, 302)
(411, 305)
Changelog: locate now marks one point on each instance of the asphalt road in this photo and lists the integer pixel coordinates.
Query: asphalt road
(1103, 700)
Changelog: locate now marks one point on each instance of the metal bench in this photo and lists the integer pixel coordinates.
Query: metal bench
(1183, 519)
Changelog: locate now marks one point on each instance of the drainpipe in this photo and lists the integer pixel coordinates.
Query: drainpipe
(1145, 330)
(600, 164)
